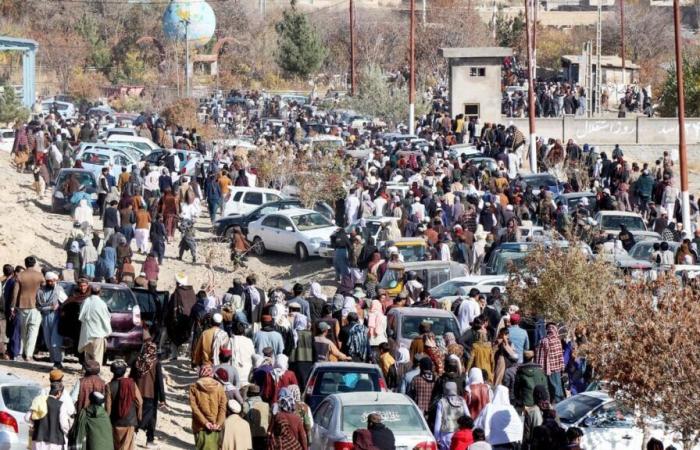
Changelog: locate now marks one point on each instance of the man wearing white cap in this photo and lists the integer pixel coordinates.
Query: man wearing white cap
(237, 435)
(48, 299)
(210, 343)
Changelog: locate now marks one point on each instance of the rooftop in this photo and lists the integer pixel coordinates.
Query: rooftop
(605, 61)
(476, 52)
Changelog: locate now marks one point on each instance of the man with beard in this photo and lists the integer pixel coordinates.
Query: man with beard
(68, 323)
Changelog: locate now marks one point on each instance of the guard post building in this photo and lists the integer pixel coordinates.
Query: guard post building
(475, 81)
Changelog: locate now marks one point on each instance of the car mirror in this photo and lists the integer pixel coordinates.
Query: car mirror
(587, 422)
(390, 333)
(288, 228)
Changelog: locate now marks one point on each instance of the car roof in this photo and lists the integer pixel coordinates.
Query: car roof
(10, 378)
(408, 311)
(478, 279)
(570, 195)
(254, 189)
(104, 151)
(525, 176)
(293, 212)
(345, 365)
(111, 286)
(600, 395)
(619, 213)
(392, 398)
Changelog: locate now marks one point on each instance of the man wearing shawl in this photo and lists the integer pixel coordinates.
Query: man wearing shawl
(237, 434)
(68, 322)
(93, 430)
(87, 385)
(124, 406)
(210, 343)
(286, 430)
(95, 326)
(449, 409)
(148, 376)
(48, 300)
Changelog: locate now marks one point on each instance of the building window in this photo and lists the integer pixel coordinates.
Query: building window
(477, 71)
(471, 110)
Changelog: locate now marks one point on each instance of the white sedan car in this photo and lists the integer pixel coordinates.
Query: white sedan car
(295, 231)
(339, 415)
(607, 424)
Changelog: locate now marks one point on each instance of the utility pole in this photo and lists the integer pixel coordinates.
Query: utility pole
(622, 38)
(599, 45)
(353, 78)
(682, 156)
(412, 70)
(423, 12)
(187, 57)
(530, 90)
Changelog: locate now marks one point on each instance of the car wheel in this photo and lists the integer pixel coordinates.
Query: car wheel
(302, 252)
(258, 246)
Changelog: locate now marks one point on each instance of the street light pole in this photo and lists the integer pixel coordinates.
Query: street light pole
(682, 156)
(187, 57)
(412, 70)
(622, 38)
(353, 78)
(530, 90)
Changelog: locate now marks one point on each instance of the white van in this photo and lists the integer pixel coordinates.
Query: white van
(243, 200)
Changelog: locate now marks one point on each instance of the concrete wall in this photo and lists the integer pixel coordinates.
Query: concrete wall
(486, 91)
(638, 130)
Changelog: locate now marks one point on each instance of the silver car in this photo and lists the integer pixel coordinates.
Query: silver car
(339, 415)
(16, 397)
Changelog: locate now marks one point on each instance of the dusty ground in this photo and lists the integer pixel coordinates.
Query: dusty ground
(28, 228)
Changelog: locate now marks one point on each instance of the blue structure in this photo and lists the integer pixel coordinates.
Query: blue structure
(28, 48)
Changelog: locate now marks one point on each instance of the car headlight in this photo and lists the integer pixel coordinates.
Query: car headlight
(315, 240)
(58, 194)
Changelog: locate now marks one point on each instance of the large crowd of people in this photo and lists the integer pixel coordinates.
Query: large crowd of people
(253, 346)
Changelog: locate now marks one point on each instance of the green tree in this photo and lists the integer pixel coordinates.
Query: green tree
(300, 51)
(510, 31)
(691, 79)
(378, 97)
(11, 108)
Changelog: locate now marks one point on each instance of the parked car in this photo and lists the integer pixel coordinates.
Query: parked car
(16, 395)
(572, 200)
(610, 221)
(119, 132)
(60, 202)
(536, 181)
(327, 378)
(451, 287)
(7, 139)
(125, 312)
(295, 231)
(429, 273)
(368, 228)
(65, 109)
(608, 424)
(403, 323)
(95, 160)
(224, 225)
(339, 415)
(143, 143)
(642, 250)
(243, 200)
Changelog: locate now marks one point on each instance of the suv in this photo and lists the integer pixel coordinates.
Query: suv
(328, 378)
(125, 312)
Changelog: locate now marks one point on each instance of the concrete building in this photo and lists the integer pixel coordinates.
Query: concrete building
(475, 81)
(611, 69)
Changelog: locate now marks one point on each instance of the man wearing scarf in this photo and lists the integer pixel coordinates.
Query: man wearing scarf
(420, 389)
(124, 406)
(356, 343)
(550, 357)
(177, 317)
(210, 343)
(253, 301)
(48, 300)
(90, 383)
(148, 376)
(93, 430)
(50, 419)
(268, 337)
(286, 428)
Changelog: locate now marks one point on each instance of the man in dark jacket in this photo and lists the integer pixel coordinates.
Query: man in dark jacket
(529, 375)
(382, 437)
(643, 189)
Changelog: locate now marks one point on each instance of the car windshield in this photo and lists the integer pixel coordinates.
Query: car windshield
(438, 325)
(536, 182)
(502, 262)
(631, 222)
(449, 288)
(391, 276)
(412, 252)
(84, 178)
(140, 145)
(19, 398)
(398, 418)
(330, 382)
(572, 409)
(118, 300)
(310, 221)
